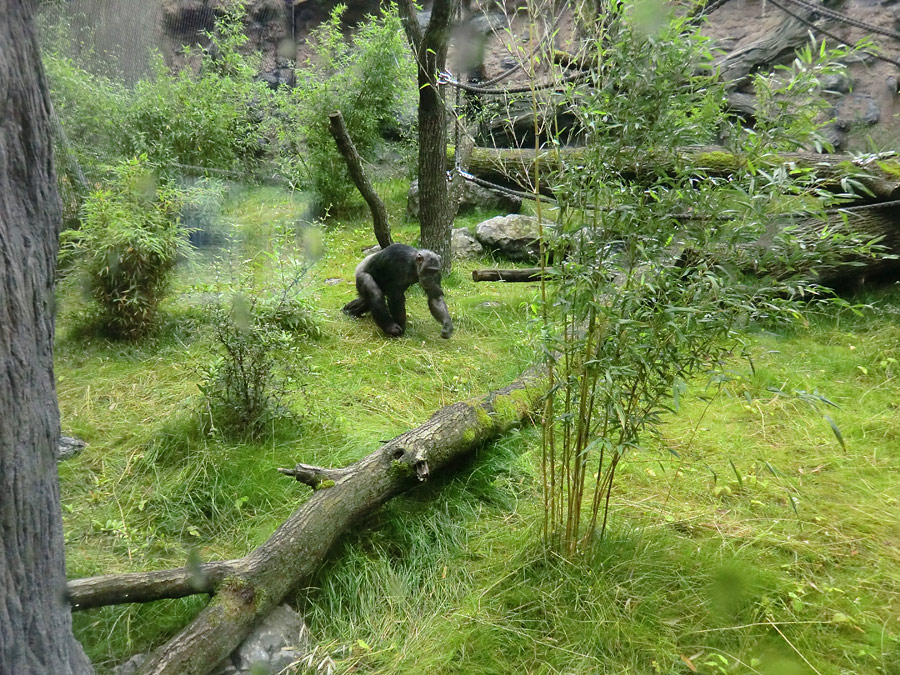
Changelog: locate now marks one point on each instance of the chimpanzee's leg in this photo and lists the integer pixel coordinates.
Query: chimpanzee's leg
(439, 311)
(370, 292)
(356, 307)
(397, 303)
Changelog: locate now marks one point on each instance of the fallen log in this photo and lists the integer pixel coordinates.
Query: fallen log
(249, 588)
(512, 276)
(874, 222)
(879, 223)
(515, 167)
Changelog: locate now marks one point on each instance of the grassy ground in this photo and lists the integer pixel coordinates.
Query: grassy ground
(745, 539)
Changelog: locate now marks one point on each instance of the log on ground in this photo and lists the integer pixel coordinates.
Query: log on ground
(515, 168)
(246, 590)
(511, 276)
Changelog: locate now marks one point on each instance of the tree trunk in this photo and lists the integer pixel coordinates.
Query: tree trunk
(515, 167)
(430, 51)
(35, 621)
(249, 588)
(355, 167)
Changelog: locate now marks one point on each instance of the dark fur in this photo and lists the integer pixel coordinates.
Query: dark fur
(382, 279)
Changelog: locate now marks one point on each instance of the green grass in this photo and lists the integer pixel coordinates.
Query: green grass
(745, 539)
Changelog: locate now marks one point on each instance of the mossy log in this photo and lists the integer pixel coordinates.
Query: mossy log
(523, 275)
(515, 167)
(247, 589)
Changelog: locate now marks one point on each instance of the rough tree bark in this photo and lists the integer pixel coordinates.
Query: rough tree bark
(35, 621)
(354, 166)
(249, 588)
(430, 51)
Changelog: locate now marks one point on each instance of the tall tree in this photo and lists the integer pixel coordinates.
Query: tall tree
(35, 619)
(430, 50)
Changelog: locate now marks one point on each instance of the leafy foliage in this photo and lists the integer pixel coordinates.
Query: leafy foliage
(369, 78)
(643, 299)
(213, 119)
(90, 109)
(258, 329)
(129, 241)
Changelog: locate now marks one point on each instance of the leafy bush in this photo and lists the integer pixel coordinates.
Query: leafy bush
(90, 109)
(258, 330)
(129, 241)
(370, 79)
(211, 120)
(629, 320)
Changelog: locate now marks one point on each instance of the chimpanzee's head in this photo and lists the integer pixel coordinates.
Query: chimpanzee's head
(428, 267)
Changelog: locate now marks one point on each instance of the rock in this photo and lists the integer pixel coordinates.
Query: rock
(473, 197)
(464, 245)
(895, 11)
(487, 23)
(131, 666)
(514, 237)
(742, 104)
(833, 135)
(69, 447)
(279, 77)
(840, 83)
(856, 110)
(372, 249)
(333, 281)
(280, 640)
(489, 304)
(892, 85)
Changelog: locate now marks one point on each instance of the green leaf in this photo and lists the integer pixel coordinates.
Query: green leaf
(836, 431)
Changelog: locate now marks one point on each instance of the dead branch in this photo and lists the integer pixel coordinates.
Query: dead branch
(354, 165)
(512, 276)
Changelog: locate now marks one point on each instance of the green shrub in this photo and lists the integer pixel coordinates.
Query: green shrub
(211, 120)
(628, 320)
(242, 390)
(90, 109)
(258, 329)
(370, 79)
(129, 241)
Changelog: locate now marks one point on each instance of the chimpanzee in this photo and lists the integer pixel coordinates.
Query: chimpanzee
(382, 279)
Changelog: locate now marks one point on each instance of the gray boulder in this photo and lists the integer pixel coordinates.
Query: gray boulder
(840, 83)
(463, 245)
(280, 640)
(856, 110)
(69, 447)
(514, 237)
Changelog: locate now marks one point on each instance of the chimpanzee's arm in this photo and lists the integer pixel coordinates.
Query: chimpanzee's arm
(439, 311)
